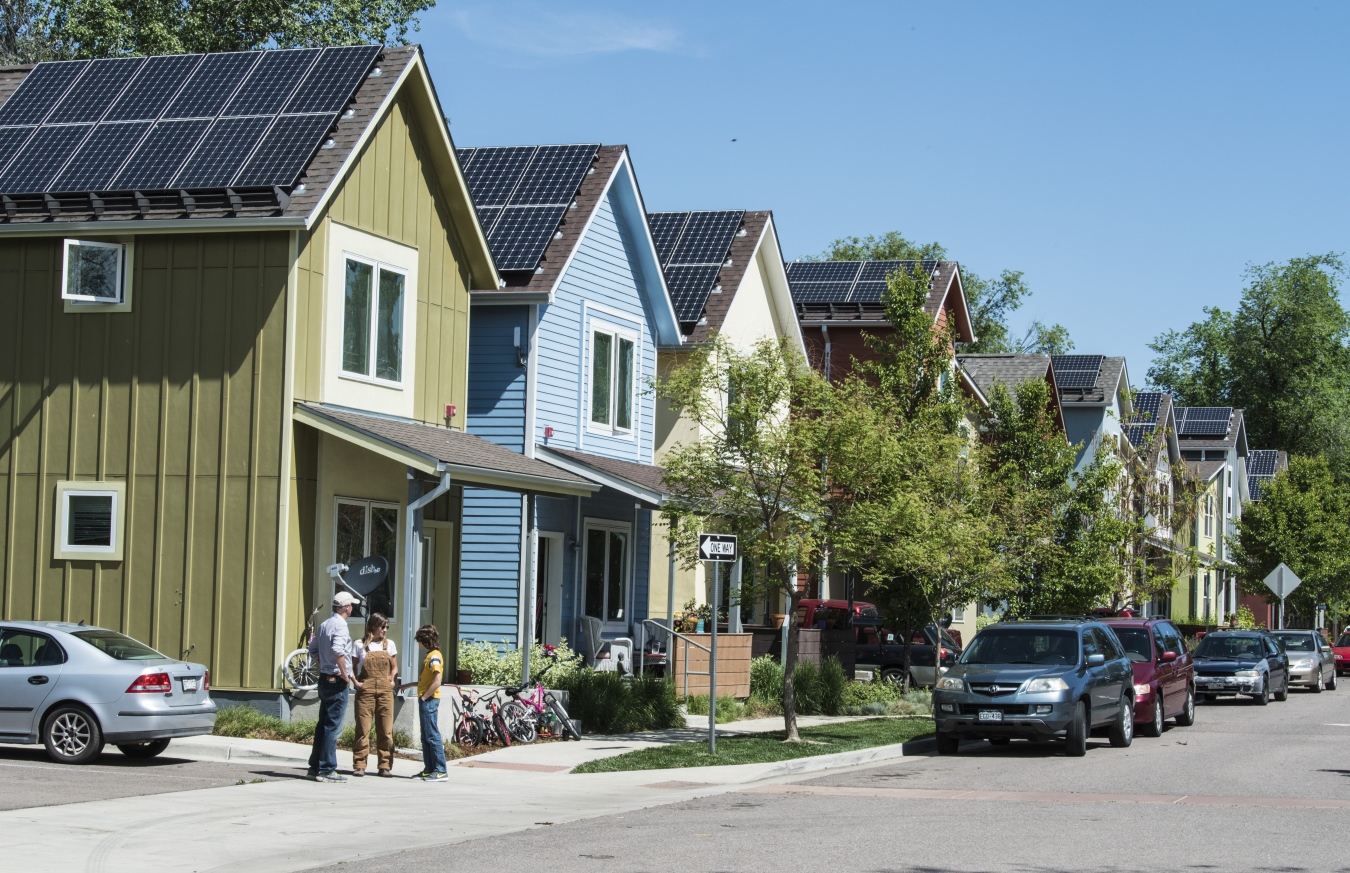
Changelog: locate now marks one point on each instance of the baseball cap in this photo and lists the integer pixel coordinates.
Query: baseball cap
(342, 598)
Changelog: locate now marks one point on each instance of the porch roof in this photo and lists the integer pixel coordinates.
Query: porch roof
(469, 459)
(643, 482)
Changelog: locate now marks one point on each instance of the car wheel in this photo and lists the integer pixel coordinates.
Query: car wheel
(1155, 726)
(947, 744)
(1187, 717)
(892, 674)
(1075, 738)
(1122, 729)
(999, 741)
(1283, 694)
(1319, 685)
(1331, 683)
(72, 735)
(143, 750)
(1264, 697)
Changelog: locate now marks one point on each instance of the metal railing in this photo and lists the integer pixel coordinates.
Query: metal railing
(670, 652)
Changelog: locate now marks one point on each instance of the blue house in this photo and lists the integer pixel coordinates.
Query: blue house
(559, 359)
(1094, 396)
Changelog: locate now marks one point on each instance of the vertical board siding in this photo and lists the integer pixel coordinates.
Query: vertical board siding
(181, 399)
(393, 192)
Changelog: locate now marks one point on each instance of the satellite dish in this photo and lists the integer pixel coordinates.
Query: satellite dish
(365, 575)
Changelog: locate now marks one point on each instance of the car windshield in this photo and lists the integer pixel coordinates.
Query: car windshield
(1023, 646)
(1344, 640)
(1297, 642)
(1241, 648)
(1136, 643)
(115, 645)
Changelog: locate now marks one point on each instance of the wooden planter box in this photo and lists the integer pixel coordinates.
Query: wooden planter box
(733, 664)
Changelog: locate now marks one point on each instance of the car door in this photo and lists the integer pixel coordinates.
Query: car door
(921, 659)
(1172, 677)
(1094, 677)
(867, 649)
(30, 664)
(1326, 659)
(1119, 672)
(1277, 662)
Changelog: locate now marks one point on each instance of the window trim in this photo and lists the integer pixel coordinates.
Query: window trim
(110, 554)
(609, 526)
(80, 304)
(377, 266)
(612, 429)
(369, 504)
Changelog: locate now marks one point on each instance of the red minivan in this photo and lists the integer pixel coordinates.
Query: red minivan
(1164, 676)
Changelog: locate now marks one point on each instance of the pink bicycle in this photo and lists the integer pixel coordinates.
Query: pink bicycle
(535, 712)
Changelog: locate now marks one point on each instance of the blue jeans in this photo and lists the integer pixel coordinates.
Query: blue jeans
(433, 748)
(333, 694)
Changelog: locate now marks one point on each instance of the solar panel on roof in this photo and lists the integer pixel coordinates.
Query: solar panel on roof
(158, 82)
(32, 170)
(553, 175)
(880, 271)
(1076, 362)
(100, 86)
(222, 152)
(689, 287)
(867, 292)
(821, 292)
(1138, 434)
(1076, 378)
(1261, 462)
(487, 217)
(1146, 406)
(522, 233)
(666, 228)
(465, 157)
(1209, 413)
(707, 237)
(272, 82)
(823, 271)
(285, 150)
(160, 156)
(100, 156)
(11, 140)
(39, 91)
(333, 79)
(212, 84)
(495, 172)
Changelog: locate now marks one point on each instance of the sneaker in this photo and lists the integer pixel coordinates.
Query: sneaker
(434, 777)
(331, 776)
(424, 774)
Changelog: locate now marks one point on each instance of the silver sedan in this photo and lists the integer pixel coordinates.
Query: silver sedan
(1312, 663)
(74, 688)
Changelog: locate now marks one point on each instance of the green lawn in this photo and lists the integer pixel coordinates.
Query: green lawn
(764, 748)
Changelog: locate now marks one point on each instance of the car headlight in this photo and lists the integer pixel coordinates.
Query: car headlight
(1042, 686)
(951, 683)
(1302, 664)
(1141, 690)
(1248, 674)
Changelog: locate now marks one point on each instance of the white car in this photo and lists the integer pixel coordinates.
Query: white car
(74, 688)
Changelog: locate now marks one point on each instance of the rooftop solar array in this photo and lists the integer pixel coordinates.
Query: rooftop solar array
(692, 247)
(846, 281)
(1261, 465)
(1204, 421)
(522, 193)
(223, 120)
(1147, 406)
(1077, 371)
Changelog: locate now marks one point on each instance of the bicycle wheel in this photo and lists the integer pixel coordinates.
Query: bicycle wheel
(568, 729)
(519, 723)
(302, 670)
(468, 732)
(502, 731)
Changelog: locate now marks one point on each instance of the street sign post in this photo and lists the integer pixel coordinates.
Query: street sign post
(715, 549)
(1282, 582)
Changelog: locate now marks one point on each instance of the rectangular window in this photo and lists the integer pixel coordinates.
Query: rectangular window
(959, 615)
(613, 376)
(372, 320)
(93, 272)
(366, 528)
(606, 565)
(89, 521)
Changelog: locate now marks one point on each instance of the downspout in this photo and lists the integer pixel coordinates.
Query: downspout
(412, 565)
(825, 332)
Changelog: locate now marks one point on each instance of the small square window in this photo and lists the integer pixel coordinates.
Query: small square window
(94, 272)
(89, 521)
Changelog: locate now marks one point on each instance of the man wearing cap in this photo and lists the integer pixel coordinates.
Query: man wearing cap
(332, 645)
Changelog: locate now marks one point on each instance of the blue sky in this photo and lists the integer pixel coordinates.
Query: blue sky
(1129, 159)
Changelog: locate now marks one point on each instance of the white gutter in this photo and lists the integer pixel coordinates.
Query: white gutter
(412, 564)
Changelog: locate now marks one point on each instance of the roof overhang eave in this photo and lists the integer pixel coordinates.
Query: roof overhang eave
(654, 499)
(138, 226)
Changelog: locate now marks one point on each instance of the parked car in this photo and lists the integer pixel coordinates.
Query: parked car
(1037, 679)
(806, 611)
(1164, 676)
(1241, 661)
(1342, 651)
(74, 688)
(880, 650)
(1312, 663)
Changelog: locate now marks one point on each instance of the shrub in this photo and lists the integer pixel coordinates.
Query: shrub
(243, 720)
(608, 703)
(500, 665)
(766, 680)
(347, 739)
(728, 708)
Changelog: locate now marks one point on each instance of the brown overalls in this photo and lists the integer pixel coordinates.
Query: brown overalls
(375, 700)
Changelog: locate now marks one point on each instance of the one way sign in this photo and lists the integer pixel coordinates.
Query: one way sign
(717, 547)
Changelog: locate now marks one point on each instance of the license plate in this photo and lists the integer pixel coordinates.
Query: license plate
(190, 683)
(990, 715)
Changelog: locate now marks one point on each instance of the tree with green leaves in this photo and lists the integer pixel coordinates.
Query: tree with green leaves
(1283, 357)
(39, 30)
(1302, 520)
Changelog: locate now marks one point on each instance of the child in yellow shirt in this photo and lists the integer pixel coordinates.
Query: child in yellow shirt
(429, 705)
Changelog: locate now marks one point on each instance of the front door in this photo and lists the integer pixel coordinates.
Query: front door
(30, 664)
(606, 565)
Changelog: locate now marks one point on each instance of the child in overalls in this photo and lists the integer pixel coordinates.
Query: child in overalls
(377, 670)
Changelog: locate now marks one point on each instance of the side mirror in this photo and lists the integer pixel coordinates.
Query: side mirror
(1169, 657)
(1096, 660)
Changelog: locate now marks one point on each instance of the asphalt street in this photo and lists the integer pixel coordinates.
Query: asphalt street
(1246, 788)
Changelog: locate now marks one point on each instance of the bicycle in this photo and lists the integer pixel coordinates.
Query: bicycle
(539, 711)
(302, 668)
(471, 729)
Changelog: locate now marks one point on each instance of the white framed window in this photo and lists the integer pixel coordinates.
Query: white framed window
(363, 528)
(959, 615)
(606, 571)
(613, 379)
(89, 521)
(94, 273)
(1209, 515)
(372, 320)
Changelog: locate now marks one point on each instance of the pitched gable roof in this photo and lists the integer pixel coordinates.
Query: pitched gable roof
(1152, 414)
(1112, 381)
(987, 370)
(840, 292)
(1262, 466)
(1235, 436)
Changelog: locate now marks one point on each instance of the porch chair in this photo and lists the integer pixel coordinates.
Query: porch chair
(606, 655)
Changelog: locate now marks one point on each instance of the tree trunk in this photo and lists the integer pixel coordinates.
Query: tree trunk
(790, 666)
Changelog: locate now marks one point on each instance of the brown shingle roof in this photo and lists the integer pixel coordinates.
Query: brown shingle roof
(1204, 470)
(742, 254)
(1007, 369)
(1108, 382)
(648, 476)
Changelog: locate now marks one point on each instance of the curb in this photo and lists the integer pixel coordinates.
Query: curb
(231, 753)
(848, 759)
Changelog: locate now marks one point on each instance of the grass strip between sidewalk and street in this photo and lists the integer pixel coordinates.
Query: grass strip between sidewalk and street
(826, 739)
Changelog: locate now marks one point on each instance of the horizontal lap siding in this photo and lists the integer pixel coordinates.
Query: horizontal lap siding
(181, 399)
(496, 379)
(489, 566)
